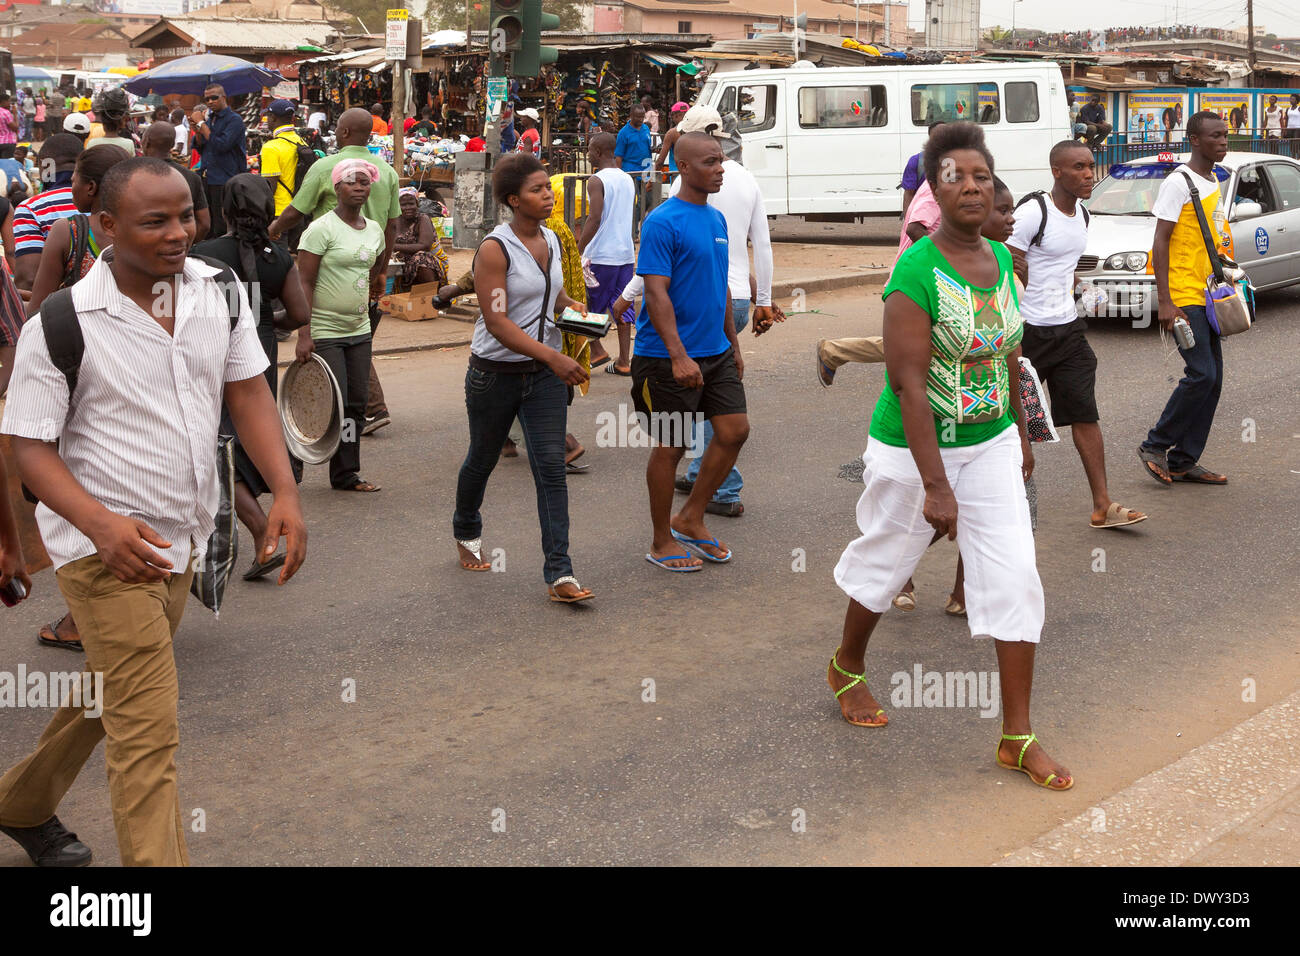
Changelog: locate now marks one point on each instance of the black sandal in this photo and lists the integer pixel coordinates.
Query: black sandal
(74, 645)
(1156, 465)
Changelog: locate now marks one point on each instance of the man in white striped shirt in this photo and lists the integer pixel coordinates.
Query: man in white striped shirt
(128, 497)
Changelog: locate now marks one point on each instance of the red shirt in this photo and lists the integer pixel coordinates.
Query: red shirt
(530, 141)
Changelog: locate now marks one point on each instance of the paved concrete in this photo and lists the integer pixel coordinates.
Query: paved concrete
(1232, 801)
(478, 702)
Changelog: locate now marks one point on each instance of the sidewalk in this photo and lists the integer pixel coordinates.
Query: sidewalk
(811, 267)
(1234, 801)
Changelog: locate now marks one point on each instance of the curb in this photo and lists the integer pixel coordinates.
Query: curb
(1172, 814)
(826, 283)
(823, 283)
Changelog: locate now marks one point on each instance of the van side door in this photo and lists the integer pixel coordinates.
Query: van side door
(760, 113)
(844, 145)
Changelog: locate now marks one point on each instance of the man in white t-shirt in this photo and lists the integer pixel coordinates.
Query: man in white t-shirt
(606, 243)
(317, 121)
(740, 200)
(1181, 265)
(1050, 234)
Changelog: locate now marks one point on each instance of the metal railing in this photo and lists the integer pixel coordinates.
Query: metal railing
(573, 201)
(1107, 156)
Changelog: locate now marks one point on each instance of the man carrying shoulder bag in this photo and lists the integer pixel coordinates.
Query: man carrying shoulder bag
(1186, 276)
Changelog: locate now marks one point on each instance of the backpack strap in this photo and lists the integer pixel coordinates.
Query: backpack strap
(228, 282)
(63, 336)
(79, 242)
(1040, 197)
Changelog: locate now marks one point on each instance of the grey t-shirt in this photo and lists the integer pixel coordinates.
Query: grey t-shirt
(527, 296)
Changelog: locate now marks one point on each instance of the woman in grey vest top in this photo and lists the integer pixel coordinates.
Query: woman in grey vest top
(517, 368)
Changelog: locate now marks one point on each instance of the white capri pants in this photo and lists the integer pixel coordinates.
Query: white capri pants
(1004, 597)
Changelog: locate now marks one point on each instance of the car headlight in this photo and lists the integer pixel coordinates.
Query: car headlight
(1132, 261)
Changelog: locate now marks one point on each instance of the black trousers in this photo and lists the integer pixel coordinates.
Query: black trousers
(349, 360)
(216, 201)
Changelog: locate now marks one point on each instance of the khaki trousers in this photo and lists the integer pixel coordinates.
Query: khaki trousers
(837, 352)
(127, 631)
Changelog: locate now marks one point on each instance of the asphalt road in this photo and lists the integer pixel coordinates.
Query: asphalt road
(477, 701)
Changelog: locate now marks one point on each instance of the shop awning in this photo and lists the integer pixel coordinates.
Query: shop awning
(664, 59)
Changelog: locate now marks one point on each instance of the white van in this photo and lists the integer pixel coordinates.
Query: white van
(832, 143)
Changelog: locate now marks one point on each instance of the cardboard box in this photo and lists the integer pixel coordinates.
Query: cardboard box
(414, 306)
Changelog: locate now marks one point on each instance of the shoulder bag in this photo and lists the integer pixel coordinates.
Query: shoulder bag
(1226, 307)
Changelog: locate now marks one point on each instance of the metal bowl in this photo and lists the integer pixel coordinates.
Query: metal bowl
(311, 410)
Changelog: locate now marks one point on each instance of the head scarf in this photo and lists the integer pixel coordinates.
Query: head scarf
(249, 207)
(349, 166)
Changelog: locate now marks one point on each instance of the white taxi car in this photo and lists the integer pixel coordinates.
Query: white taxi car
(1260, 199)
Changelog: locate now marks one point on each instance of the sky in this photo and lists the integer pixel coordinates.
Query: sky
(1055, 15)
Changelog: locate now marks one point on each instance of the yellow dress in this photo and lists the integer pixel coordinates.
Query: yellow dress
(576, 347)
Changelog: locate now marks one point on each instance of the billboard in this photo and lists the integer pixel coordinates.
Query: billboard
(1231, 105)
(952, 24)
(1156, 117)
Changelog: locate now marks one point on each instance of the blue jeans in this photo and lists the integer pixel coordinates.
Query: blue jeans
(541, 401)
(729, 491)
(1184, 425)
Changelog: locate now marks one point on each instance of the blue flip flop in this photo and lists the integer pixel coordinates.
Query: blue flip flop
(673, 557)
(694, 545)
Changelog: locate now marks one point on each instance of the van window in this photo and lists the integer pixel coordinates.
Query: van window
(1022, 102)
(757, 108)
(949, 102)
(842, 107)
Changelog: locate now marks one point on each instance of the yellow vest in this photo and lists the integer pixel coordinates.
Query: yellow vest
(1189, 262)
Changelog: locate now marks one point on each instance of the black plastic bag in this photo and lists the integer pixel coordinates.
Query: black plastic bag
(212, 570)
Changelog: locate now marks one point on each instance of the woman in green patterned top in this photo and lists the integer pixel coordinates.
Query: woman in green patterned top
(948, 451)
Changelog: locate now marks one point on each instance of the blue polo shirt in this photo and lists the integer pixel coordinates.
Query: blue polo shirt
(223, 151)
(633, 147)
(688, 243)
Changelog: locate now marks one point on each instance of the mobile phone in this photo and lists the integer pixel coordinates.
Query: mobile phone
(12, 593)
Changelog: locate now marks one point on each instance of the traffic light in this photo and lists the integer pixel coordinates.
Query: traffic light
(505, 33)
(532, 55)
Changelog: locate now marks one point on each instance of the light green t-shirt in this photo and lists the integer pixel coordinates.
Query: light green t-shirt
(341, 301)
(972, 331)
(316, 197)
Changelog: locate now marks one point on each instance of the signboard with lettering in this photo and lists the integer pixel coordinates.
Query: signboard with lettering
(395, 36)
(1232, 105)
(1156, 117)
(496, 94)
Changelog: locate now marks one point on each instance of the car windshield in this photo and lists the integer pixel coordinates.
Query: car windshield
(1130, 190)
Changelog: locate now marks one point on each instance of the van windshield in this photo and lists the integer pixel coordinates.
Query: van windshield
(706, 94)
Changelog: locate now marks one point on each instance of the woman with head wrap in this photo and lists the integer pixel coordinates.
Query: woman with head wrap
(335, 255)
(268, 274)
(417, 246)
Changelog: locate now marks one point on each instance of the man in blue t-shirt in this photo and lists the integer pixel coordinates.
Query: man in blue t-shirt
(632, 148)
(686, 363)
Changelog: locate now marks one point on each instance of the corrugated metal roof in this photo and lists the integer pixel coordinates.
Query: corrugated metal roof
(254, 34)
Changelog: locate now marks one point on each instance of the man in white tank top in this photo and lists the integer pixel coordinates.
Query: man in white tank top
(606, 242)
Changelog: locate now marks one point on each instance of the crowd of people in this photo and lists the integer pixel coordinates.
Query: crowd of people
(1083, 41)
(114, 436)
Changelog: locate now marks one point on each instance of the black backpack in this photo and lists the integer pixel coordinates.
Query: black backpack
(306, 159)
(66, 344)
(1041, 196)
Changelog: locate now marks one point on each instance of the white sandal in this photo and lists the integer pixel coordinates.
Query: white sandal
(474, 547)
(568, 579)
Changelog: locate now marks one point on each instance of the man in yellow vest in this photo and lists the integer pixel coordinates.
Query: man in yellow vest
(279, 159)
(1181, 263)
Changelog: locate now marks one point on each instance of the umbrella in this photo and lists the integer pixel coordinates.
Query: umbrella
(191, 74)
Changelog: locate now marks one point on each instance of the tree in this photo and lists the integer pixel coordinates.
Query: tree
(371, 13)
(450, 14)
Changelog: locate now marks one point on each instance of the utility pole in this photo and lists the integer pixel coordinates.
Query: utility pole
(1250, 42)
(468, 24)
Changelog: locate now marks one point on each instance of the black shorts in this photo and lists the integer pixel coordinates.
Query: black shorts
(1067, 365)
(669, 407)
